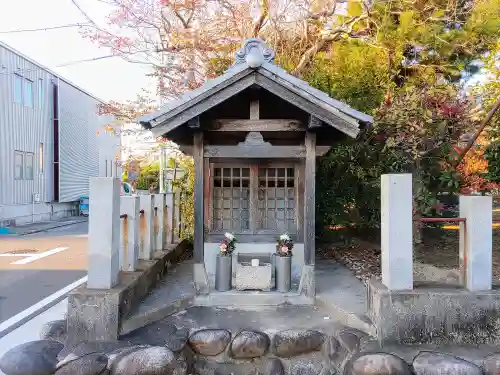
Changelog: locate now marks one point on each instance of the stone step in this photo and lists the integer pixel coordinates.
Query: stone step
(347, 318)
(243, 299)
(174, 293)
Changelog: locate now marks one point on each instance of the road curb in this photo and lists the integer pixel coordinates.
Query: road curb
(24, 316)
(52, 227)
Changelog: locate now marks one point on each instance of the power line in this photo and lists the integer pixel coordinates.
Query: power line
(44, 28)
(72, 63)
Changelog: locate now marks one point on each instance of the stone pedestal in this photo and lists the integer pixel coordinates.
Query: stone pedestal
(159, 200)
(397, 231)
(130, 237)
(476, 242)
(147, 242)
(104, 233)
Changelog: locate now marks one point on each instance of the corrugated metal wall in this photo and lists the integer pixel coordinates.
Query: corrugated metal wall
(84, 145)
(23, 128)
(83, 152)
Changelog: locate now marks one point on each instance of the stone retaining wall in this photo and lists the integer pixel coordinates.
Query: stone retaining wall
(219, 351)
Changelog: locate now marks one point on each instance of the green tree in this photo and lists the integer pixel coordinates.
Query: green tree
(149, 175)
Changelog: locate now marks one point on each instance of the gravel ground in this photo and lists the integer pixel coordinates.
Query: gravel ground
(436, 259)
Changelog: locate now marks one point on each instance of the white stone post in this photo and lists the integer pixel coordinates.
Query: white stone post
(397, 229)
(476, 237)
(160, 214)
(130, 206)
(104, 233)
(147, 238)
(169, 202)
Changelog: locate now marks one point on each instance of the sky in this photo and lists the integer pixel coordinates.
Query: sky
(108, 79)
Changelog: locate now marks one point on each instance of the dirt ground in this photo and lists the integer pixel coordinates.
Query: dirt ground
(436, 259)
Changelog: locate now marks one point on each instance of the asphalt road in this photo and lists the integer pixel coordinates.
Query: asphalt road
(35, 266)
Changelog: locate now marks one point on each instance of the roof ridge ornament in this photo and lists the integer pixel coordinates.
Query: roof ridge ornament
(254, 52)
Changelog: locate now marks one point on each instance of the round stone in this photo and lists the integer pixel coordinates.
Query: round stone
(55, 330)
(332, 347)
(273, 366)
(306, 368)
(293, 342)
(31, 358)
(159, 334)
(209, 342)
(92, 364)
(434, 363)
(249, 344)
(90, 347)
(148, 361)
(349, 341)
(377, 363)
(491, 364)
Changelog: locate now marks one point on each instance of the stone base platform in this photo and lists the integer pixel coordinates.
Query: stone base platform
(435, 314)
(287, 340)
(338, 293)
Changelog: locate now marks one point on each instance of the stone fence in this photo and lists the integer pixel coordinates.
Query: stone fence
(406, 312)
(131, 244)
(126, 229)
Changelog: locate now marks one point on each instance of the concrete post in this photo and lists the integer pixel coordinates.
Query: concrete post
(169, 202)
(160, 215)
(476, 236)
(397, 222)
(130, 206)
(146, 249)
(104, 233)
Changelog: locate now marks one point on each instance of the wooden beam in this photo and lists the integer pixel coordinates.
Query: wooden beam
(254, 110)
(320, 150)
(198, 198)
(255, 151)
(309, 199)
(256, 125)
(194, 123)
(207, 194)
(314, 122)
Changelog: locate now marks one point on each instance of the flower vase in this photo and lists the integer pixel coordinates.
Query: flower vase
(283, 273)
(223, 272)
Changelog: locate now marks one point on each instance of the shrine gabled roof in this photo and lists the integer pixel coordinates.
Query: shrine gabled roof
(254, 65)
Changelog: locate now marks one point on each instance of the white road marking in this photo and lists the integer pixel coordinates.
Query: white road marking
(21, 318)
(34, 257)
(14, 255)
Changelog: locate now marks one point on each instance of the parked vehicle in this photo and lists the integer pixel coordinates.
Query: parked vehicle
(126, 189)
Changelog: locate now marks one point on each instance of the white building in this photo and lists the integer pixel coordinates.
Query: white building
(52, 140)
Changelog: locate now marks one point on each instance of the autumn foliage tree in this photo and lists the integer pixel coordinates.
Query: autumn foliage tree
(398, 60)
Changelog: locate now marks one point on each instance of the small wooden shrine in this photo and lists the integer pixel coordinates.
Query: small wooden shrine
(254, 133)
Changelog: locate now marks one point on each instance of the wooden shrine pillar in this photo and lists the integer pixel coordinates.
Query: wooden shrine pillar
(309, 199)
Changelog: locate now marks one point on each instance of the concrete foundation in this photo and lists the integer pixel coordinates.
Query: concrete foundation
(436, 315)
(97, 315)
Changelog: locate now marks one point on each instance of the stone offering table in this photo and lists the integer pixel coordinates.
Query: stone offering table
(250, 277)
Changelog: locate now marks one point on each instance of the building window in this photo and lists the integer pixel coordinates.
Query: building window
(231, 199)
(40, 93)
(276, 199)
(28, 93)
(18, 89)
(41, 158)
(270, 190)
(18, 165)
(29, 164)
